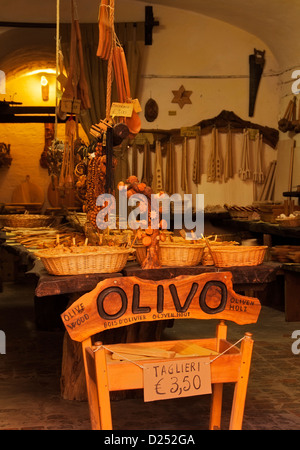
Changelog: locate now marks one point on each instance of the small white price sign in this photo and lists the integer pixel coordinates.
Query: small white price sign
(177, 378)
(121, 109)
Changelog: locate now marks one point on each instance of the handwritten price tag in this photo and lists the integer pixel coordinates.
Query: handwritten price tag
(177, 378)
(121, 109)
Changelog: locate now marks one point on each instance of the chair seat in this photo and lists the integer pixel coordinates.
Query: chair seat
(128, 374)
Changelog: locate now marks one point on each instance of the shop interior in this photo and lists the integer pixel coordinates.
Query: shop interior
(157, 140)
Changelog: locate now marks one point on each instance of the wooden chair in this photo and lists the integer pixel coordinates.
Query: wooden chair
(126, 300)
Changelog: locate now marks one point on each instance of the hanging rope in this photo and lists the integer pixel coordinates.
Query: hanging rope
(57, 64)
(111, 10)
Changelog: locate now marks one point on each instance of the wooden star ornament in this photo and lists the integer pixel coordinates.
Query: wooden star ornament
(182, 97)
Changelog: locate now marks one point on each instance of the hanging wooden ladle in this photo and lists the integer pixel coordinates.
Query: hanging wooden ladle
(258, 175)
(228, 165)
(211, 169)
(104, 26)
(83, 90)
(244, 171)
(134, 122)
(219, 162)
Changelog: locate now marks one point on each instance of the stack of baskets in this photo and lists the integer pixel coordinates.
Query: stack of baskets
(84, 260)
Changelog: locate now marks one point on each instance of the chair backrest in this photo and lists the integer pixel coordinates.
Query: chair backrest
(117, 302)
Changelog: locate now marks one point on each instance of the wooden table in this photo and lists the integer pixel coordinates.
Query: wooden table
(249, 280)
(291, 292)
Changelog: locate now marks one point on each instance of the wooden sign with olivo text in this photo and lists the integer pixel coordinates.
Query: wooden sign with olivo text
(126, 300)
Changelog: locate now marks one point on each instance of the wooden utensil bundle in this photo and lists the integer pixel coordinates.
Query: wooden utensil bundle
(76, 93)
(170, 186)
(197, 161)
(105, 30)
(215, 163)
(244, 171)
(228, 165)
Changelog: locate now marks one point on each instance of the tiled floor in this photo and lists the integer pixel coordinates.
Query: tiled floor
(30, 372)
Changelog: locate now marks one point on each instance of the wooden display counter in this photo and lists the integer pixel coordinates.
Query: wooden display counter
(291, 292)
(249, 280)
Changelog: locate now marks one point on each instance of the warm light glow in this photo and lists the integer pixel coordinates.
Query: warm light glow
(45, 88)
(44, 81)
(2, 82)
(38, 71)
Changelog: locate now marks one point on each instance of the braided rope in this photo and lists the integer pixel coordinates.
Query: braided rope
(110, 61)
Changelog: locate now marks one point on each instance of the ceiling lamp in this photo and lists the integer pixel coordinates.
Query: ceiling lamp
(45, 88)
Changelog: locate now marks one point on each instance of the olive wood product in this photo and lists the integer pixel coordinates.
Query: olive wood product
(184, 162)
(244, 171)
(28, 192)
(151, 110)
(197, 160)
(147, 165)
(205, 296)
(170, 185)
(158, 179)
(258, 175)
(211, 168)
(228, 164)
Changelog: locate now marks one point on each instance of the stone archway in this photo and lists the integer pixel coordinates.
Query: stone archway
(26, 49)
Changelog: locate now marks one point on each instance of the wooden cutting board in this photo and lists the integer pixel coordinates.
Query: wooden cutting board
(56, 200)
(28, 192)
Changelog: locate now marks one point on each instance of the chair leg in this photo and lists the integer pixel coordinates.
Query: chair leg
(217, 388)
(240, 391)
(216, 407)
(103, 390)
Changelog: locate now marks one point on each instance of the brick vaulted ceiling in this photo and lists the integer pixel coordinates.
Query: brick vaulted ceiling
(275, 22)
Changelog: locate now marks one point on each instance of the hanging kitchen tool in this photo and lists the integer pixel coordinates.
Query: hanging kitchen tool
(211, 168)
(28, 192)
(170, 186)
(158, 171)
(82, 87)
(184, 181)
(258, 175)
(228, 164)
(66, 178)
(197, 160)
(151, 110)
(219, 161)
(284, 123)
(147, 164)
(244, 171)
(69, 101)
(105, 30)
(134, 122)
(297, 122)
(256, 67)
(134, 165)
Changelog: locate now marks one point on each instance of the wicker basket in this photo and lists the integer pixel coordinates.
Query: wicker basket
(289, 222)
(172, 254)
(25, 220)
(207, 258)
(94, 260)
(140, 253)
(229, 256)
